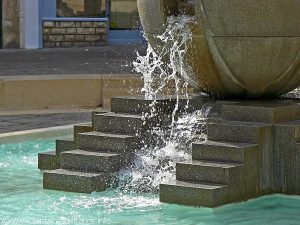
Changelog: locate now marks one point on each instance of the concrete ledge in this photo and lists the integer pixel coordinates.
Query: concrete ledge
(82, 90)
(79, 90)
(28, 135)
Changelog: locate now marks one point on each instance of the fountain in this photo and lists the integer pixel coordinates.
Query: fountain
(240, 49)
(244, 55)
(248, 53)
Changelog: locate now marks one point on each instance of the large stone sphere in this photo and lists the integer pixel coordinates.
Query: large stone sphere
(240, 48)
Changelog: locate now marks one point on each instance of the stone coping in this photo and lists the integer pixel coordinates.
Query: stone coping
(29, 135)
(80, 90)
(78, 19)
(70, 76)
(52, 110)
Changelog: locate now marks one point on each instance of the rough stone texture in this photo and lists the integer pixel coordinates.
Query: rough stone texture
(192, 193)
(227, 151)
(263, 111)
(12, 121)
(10, 24)
(71, 181)
(208, 172)
(249, 159)
(82, 128)
(64, 145)
(109, 60)
(86, 163)
(48, 161)
(58, 30)
(286, 154)
(71, 33)
(232, 131)
(46, 91)
(245, 49)
(99, 149)
(97, 141)
(91, 161)
(100, 30)
(241, 159)
(139, 105)
(120, 123)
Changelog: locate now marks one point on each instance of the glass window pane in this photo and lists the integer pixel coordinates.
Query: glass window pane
(81, 8)
(124, 14)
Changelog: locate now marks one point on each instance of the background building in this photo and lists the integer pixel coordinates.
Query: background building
(10, 24)
(22, 20)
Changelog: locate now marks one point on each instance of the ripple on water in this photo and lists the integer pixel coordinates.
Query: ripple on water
(22, 198)
(3, 165)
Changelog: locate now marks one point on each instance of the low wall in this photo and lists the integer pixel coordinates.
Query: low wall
(70, 32)
(82, 90)
(18, 92)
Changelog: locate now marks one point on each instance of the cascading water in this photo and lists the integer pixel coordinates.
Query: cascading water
(155, 162)
(167, 65)
(296, 93)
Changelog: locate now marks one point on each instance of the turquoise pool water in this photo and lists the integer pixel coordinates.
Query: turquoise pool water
(23, 201)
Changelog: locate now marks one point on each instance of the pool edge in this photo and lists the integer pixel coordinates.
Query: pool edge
(28, 135)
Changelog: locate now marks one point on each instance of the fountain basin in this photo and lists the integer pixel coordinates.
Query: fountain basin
(240, 49)
(24, 201)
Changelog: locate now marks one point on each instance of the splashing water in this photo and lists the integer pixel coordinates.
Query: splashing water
(296, 92)
(167, 65)
(155, 162)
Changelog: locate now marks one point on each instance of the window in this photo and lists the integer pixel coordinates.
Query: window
(124, 14)
(81, 8)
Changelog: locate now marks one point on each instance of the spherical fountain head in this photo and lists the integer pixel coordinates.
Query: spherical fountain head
(239, 49)
(186, 7)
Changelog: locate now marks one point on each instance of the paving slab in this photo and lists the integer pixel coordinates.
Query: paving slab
(36, 119)
(114, 59)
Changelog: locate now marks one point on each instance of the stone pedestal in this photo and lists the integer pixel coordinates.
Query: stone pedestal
(252, 150)
(99, 149)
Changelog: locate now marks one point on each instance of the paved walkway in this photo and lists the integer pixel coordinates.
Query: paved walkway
(35, 119)
(30, 122)
(110, 59)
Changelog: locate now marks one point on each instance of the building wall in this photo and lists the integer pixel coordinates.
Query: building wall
(10, 24)
(73, 33)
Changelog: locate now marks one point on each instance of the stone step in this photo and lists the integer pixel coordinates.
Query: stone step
(74, 181)
(298, 148)
(139, 105)
(293, 125)
(106, 142)
(222, 151)
(263, 111)
(193, 194)
(65, 145)
(80, 160)
(82, 128)
(118, 123)
(232, 131)
(48, 161)
(209, 171)
(97, 113)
